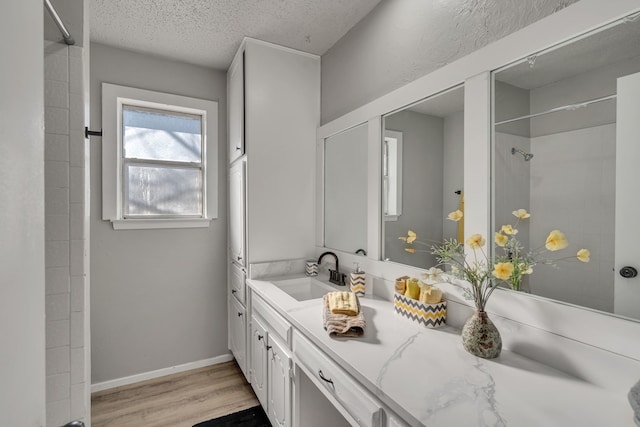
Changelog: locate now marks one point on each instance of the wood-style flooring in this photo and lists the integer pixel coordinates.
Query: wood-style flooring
(177, 400)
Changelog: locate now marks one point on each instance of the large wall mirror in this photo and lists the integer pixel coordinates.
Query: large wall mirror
(422, 175)
(345, 190)
(566, 138)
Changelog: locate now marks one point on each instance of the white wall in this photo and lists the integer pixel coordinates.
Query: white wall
(402, 40)
(22, 322)
(158, 297)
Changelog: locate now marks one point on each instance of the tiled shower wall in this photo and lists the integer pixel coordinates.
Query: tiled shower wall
(65, 235)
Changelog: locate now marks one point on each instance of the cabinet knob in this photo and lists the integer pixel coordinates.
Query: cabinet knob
(239, 314)
(233, 291)
(238, 148)
(269, 347)
(260, 337)
(239, 258)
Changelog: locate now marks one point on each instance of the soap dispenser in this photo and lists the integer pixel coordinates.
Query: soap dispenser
(357, 281)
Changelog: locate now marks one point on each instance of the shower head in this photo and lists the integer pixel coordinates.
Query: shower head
(527, 156)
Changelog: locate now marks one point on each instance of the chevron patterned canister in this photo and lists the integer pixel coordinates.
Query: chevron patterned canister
(428, 315)
(358, 283)
(311, 268)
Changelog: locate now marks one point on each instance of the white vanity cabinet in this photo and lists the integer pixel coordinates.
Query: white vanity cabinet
(270, 363)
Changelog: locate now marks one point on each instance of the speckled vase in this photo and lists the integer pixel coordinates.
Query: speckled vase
(480, 336)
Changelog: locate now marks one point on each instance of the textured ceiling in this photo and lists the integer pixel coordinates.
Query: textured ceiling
(208, 32)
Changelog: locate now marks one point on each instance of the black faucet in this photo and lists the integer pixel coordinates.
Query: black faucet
(361, 251)
(334, 275)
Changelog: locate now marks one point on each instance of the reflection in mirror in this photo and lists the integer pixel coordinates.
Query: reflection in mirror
(429, 175)
(392, 174)
(556, 134)
(345, 190)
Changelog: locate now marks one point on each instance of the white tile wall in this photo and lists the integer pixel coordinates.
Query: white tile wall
(58, 360)
(57, 307)
(57, 333)
(56, 147)
(58, 412)
(65, 280)
(57, 280)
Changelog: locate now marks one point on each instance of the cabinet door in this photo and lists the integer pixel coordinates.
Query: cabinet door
(238, 333)
(279, 383)
(258, 360)
(236, 108)
(237, 213)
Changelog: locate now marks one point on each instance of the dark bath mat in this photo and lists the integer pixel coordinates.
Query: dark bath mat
(252, 417)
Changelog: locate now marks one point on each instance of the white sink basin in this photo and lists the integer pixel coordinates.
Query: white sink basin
(304, 288)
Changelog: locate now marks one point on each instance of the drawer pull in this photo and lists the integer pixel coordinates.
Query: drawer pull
(322, 377)
(260, 337)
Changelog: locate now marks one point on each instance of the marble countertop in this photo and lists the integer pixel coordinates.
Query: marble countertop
(427, 378)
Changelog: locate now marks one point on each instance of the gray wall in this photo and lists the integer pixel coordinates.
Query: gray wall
(22, 326)
(158, 297)
(402, 40)
(423, 140)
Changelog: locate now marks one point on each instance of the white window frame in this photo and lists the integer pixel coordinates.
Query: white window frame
(392, 180)
(114, 97)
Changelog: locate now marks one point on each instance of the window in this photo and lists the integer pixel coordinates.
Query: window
(156, 171)
(392, 175)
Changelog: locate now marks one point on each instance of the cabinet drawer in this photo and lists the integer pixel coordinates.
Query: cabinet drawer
(237, 282)
(335, 383)
(275, 323)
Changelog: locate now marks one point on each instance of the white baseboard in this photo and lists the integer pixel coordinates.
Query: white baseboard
(105, 385)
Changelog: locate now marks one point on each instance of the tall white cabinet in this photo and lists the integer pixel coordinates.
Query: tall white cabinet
(273, 113)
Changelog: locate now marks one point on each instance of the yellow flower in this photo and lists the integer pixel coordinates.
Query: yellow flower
(508, 229)
(521, 213)
(556, 241)
(501, 239)
(410, 250)
(412, 236)
(528, 270)
(476, 241)
(503, 270)
(583, 255)
(455, 215)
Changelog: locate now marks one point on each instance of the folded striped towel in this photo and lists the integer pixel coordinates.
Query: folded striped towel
(342, 325)
(341, 302)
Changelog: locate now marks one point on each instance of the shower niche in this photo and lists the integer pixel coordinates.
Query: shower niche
(555, 118)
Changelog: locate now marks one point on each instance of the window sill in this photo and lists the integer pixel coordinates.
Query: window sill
(146, 224)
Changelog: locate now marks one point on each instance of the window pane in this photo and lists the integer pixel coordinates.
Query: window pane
(158, 190)
(161, 135)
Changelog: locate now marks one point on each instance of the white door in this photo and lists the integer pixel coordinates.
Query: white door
(236, 108)
(627, 250)
(238, 333)
(237, 213)
(258, 361)
(279, 384)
